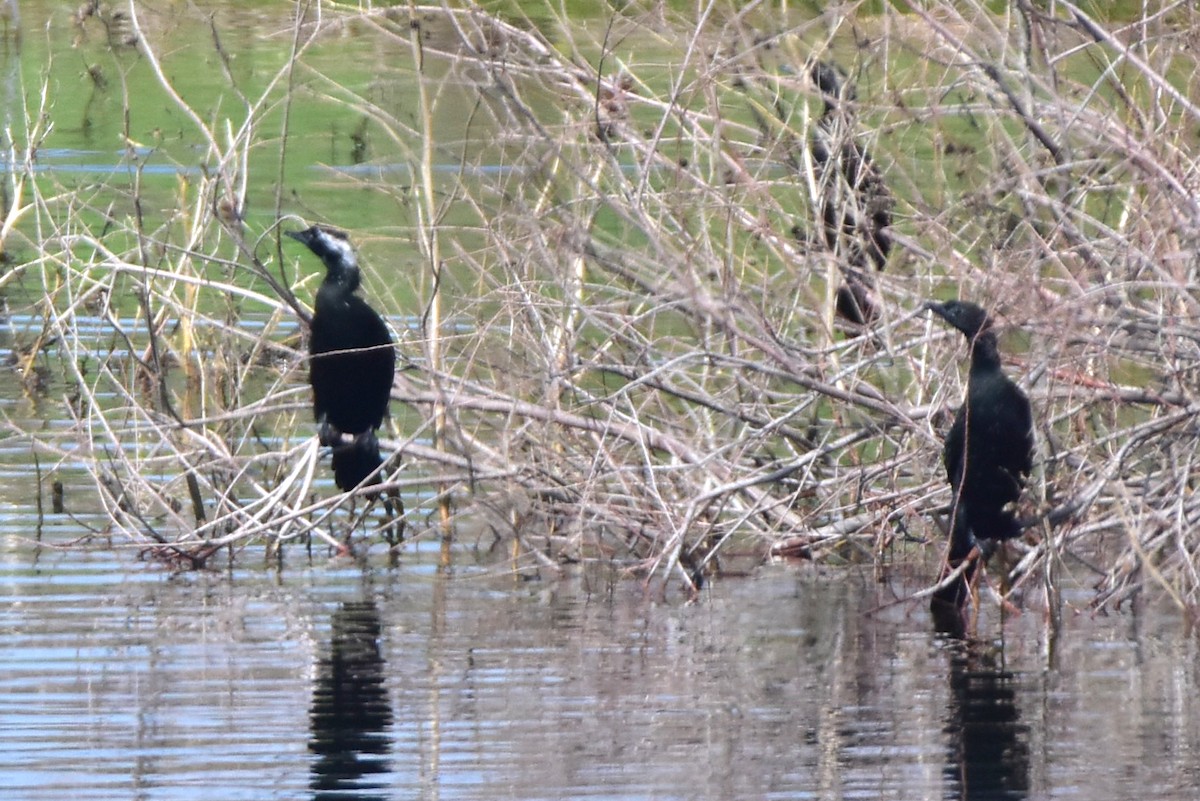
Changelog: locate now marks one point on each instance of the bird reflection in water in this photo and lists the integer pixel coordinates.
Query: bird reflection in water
(350, 715)
(988, 748)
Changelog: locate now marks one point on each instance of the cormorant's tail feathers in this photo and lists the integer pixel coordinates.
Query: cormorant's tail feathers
(997, 527)
(353, 463)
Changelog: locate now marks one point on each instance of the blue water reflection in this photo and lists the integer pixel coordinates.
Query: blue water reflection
(331, 680)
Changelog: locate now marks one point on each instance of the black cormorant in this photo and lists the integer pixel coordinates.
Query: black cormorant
(352, 361)
(855, 205)
(989, 450)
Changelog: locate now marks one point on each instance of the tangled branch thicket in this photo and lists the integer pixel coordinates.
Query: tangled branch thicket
(627, 349)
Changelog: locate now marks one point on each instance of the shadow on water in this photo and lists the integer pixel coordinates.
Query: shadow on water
(351, 714)
(987, 754)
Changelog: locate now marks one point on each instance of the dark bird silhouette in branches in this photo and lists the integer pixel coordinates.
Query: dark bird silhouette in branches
(855, 205)
(988, 452)
(351, 362)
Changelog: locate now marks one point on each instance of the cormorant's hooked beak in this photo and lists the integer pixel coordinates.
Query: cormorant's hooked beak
(941, 310)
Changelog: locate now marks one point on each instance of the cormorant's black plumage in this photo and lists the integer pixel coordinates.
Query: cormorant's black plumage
(989, 450)
(352, 362)
(855, 204)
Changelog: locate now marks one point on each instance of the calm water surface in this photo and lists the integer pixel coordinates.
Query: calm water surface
(327, 679)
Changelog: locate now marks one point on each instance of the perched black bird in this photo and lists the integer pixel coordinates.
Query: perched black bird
(351, 361)
(855, 204)
(989, 451)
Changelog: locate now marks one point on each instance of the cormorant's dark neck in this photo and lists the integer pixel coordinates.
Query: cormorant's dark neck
(985, 355)
(341, 274)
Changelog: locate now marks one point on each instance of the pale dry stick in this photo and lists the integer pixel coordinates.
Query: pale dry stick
(861, 394)
(151, 58)
(674, 91)
(1060, 208)
(1102, 36)
(484, 26)
(1078, 505)
(271, 526)
(269, 405)
(761, 426)
(253, 111)
(115, 266)
(665, 234)
(36, 135)
(643, 173)
(627, 428)
(78, 296)
(269, 501)
(238, 146)
(677, 529)
(551, 67)
(528, 305)
(111, 497)
(1063, 215)
(271, 520)
(429, 220)
(1130, 247)
(145, 426)
(132, 404)
(285, 299)
(288, 75)
(186, 311)
(1142, 554)
(951, 577)
(642, 222)
(1188, 553)
(90, 404)
(275, 498)
(113, 263)
(399, 134)
(275, 515)
(697, 505)
(567, 331)
(1178, 484)
(790, 466)
(630, 430)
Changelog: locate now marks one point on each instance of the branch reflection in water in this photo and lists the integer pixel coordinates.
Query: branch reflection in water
(350, 714)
